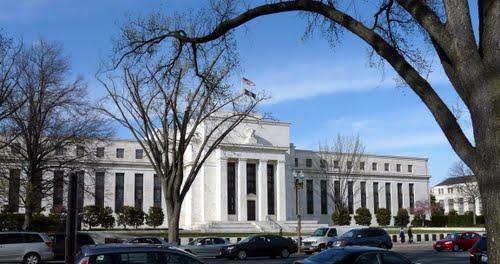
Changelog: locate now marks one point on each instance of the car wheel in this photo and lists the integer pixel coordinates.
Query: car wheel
(456, 247)
(285, 253)
(321, 247)
(383, 245)
(242, 254)
(31, 258)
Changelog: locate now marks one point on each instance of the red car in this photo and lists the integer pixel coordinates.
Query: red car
(457, 241)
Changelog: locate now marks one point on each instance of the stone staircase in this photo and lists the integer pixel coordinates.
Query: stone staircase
(308, 226)
(270, 226)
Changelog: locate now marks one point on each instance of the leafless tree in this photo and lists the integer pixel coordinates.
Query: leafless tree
(9, 53)
(340, 162)
(468, 53)
(179, 111)
(55, 129)
(468, 186)
(421, 209)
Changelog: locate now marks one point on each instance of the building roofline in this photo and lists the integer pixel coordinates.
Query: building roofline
(371, 155)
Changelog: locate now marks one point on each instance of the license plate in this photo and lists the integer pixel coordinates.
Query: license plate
(484, 258)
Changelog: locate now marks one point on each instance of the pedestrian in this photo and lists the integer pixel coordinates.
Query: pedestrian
(402, 235)
(410, 235)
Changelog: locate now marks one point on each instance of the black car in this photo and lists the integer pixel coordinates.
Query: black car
(371, 237)
(59, 240)
(355, 255)
(134, 253)
(258, 246)
(478, 254)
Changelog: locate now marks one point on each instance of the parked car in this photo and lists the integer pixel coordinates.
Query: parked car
(372, 237)
(133, 253)
(354, 255)
(148, 240)
(26, 247)
(59, 240)
(320, 237)
(258, 246)
(457, 241)
(478, 252)
(205, 246)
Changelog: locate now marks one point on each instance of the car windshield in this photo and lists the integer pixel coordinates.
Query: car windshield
(329, 256)
(348, 234)
(248, 239)
(320, 232)
(194, 242)
(452, 236)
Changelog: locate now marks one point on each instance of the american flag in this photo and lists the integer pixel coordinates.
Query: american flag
(248, 82)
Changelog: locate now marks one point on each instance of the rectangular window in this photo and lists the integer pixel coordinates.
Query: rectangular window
(99, 189)
(80, 189)
(138, 193)
(58, 190)
(460, 205)
(336, 192)
(139, 153)
(349, 165)
(309, 163)
(335, 164)
(324, 197)
(412, 196)
(156, 191)
(374, 166)
(451, 205)
(296, 162)
(99, 152)
(80, 151)
(14, 189)
(400, 195)
(119, 190)
(60, 151)
(398, 167)
(363, 194)
(386, 166)
(388, 196)
(270, 189)
(231, 188)
(322, 163)
(120, 153)
(410, 168)
(251, 178)
(310, 201)
(375, 197)
(350, 197)
(362, 165)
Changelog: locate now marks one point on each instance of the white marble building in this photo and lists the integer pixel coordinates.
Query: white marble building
(451, 195)
(250, 178)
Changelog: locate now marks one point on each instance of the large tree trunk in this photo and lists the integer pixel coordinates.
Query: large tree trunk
(28, 217)
(173, 214)
(490, 196)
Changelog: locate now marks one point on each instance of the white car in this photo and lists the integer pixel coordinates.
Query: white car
(320, 237)
(25, 247)
(205, 246)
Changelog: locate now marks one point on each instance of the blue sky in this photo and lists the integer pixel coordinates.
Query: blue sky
(320, 90)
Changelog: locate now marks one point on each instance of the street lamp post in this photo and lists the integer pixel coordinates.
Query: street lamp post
(299, 184)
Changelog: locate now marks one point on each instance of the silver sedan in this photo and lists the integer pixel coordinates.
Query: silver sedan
(205, 246)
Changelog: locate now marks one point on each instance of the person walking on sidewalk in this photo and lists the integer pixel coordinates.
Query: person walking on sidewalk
(402, 235)
(410, 235)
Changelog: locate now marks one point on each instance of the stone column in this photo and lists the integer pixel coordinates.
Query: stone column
(262, 191)
(241, 198)
(281, 191)
(221, 188)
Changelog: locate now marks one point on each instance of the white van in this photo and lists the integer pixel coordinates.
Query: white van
(317, 241)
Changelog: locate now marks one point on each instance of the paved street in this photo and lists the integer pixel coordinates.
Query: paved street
(419, 253)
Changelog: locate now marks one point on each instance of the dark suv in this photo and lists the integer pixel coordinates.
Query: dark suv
(478, 254)
(134, 253)
(59, 240)
(373, 237)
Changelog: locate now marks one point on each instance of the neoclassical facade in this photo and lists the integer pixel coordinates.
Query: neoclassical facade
(250, 177)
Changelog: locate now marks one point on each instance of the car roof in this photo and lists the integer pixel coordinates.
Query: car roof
(20, 232)
(356, 249)
(117, 248)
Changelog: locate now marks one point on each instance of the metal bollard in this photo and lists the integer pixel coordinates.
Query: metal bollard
(419, 237)
(426, 237)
